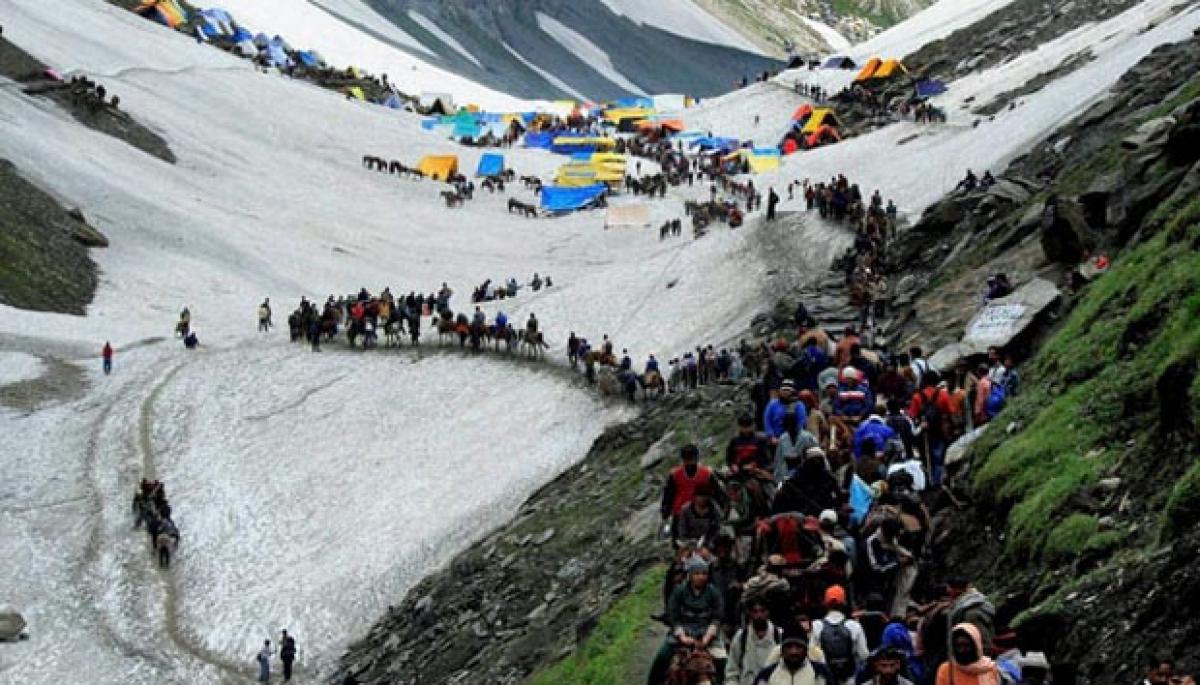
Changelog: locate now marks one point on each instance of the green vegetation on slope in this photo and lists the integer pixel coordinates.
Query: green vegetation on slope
(606, 656)
(1091, 397)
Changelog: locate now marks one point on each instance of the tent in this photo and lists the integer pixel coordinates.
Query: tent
(539, 139)
(821, 116)
(393, 101)
(632, 102)
(930, 87)
(821, 134)
(246, 48)
(868, 70)
(356, 93)
(802, 112)
(165, 12)
(667, 125)
(565, 145)
(490, 164)
(278, 40)
(714, 143)
(438, 167)
(628, 216)
(839, 62)
(278, 57)
(242, 34)
(465, 128)
(308, 59)
(429, 123)
(890, 68)
(669, 102)
(558, 199)
(262, 40)
(616, 115)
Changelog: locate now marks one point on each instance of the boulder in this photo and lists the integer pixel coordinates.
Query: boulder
(957, 451)
(1003, 319)
(12, 624)
(660, 450)
(1065, 236)
(945, 359)
(1151, 134)
(1009, 191)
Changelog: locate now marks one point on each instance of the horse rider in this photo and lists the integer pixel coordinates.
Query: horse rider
(478, 319)
(185, 321)
(626, 362)
(652, 366)
(536, 283)
(501, 322)
(531, 326)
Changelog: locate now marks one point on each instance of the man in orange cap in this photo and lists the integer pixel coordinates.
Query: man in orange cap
(841, 639)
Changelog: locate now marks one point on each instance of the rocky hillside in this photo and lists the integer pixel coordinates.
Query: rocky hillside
(548, 48)
(1084, 494)
(774, 23)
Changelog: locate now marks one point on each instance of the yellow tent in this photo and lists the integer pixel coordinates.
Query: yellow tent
(581, 141)
(617, 114)
(890, 68)
(356, 93)
(439, 167)
(868, 69)
(761, 163)
(472, 108)
(820, 117)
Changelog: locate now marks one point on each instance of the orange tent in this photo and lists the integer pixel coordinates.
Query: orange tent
(822, 134)
(868, 69)
(675, 125)
(802, 111)
(789, 146)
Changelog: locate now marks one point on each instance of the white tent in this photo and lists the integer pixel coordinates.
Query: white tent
(628, 216)
(669, 101)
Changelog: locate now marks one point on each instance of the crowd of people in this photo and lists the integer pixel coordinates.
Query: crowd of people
(151, 508)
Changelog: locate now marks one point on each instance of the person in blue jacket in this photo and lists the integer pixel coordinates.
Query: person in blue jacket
(875, 430)
(779, 407)
(501, 321)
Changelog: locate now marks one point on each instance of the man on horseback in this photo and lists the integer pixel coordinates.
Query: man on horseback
(694, 612)
(478, 319)
(501, 323)
(531, 326)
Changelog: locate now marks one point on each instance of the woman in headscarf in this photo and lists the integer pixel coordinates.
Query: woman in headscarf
(967, 665)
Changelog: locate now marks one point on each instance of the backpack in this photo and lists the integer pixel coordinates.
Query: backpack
(996, 399)
(931, 414)
(838, 646)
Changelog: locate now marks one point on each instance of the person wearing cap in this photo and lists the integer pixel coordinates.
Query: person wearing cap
(781, 406)
(841, 639)
(694, 613)
(854, 399)
(794, 667)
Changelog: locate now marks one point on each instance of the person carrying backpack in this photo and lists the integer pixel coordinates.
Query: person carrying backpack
(930, 408)
(841, 639)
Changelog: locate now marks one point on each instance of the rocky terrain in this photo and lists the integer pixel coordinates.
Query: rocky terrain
(44, 249)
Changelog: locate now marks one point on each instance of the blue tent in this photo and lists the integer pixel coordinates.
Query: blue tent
(466, 128)
(839, 62)
(581, 156)
(559, 199)
(627, 103)
(240, 34)
(393, 101)
(930, 87)
(262, 40)
(767, 152)
(490, 164)
(276, 55)
(429, 123)
(540, 139)
(308, 59)
(715, 143)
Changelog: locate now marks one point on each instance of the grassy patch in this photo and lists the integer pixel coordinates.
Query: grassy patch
(1189, 91)
(605, 657)
(1091, 388)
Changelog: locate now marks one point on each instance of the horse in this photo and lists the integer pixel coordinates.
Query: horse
(533, 343)
(691, 666)
(477, 332)
(446, 328)
(523, 208)
(531, 181)
(505, 335)
(452, 198)
(417, 174)
(164, 545)
(393, 331)
(397, 168)
(652, 380)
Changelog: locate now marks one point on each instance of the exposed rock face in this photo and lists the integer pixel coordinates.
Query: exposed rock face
(43, 249)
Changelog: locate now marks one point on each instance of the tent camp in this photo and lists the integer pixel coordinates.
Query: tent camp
(930, 87)
(628, 216)
(758, 159)
(438, 167)
(868, 70)
(558, 199)
(714, 143)
(565, 145)
(490, 164)
(165, 12)
(539, 139)
(890, 68)
(821, 116)
(839, 62)
(241, 33)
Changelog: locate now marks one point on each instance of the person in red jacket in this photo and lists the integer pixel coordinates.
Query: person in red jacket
(680, 488)
(107, 355)
(930, 409)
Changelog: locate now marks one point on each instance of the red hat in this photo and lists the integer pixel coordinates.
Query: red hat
(835, 595)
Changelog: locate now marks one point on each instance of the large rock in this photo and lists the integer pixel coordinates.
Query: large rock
(660, 450)
(11, 625)
(1065, 236)
(1002, 320)
(1151, 134)
(957, 451)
